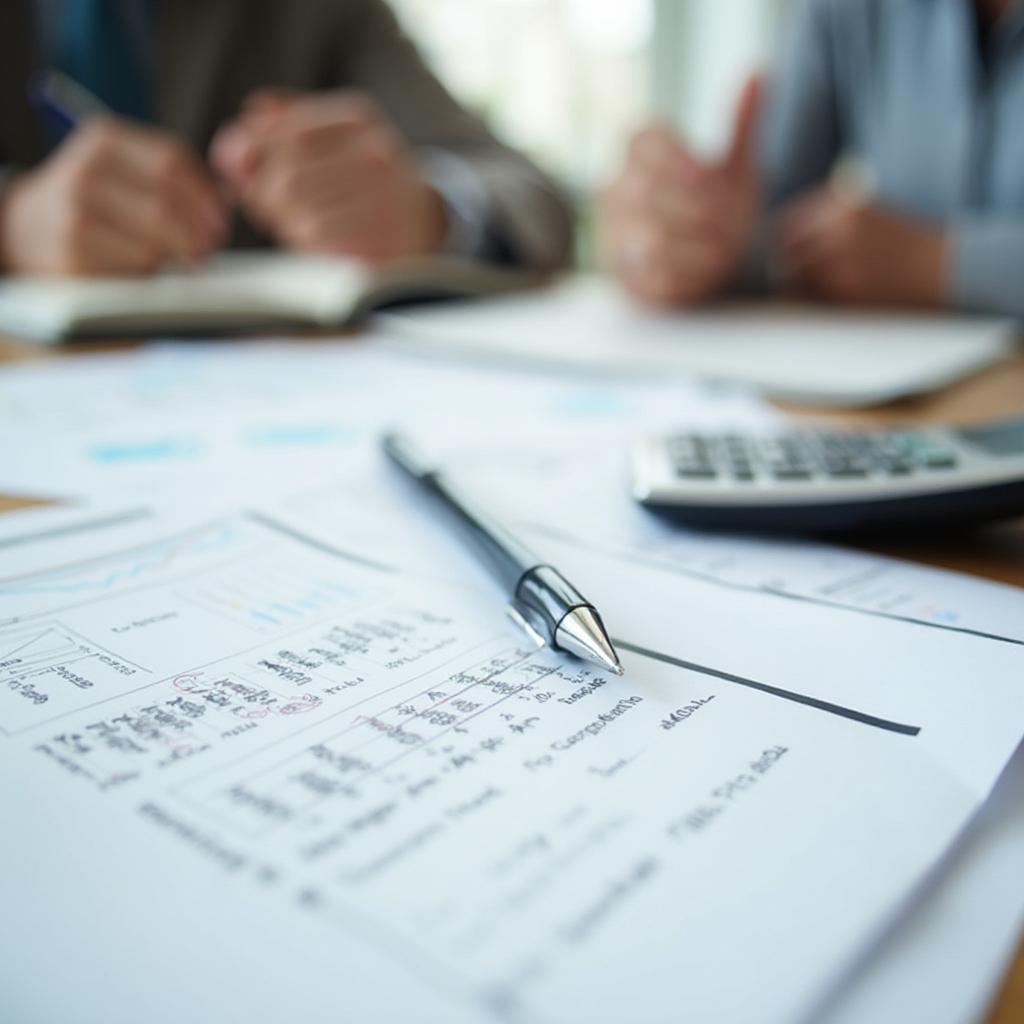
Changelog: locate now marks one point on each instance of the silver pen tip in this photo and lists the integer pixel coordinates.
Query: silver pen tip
(581, 633)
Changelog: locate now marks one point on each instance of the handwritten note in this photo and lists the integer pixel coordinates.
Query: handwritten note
(488, 830)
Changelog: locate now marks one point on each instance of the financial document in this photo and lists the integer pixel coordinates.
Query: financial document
(577, 492)
(228, 423)
(296, 783)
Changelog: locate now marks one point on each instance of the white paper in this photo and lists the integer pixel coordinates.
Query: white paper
(945, 959)
(801, 353)
(295, 786)
(229, 423)
(577, 492)
(229, 288)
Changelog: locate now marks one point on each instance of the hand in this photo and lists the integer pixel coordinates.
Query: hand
(328, 173)
(845, 250)
(115, 198)
(674, 228)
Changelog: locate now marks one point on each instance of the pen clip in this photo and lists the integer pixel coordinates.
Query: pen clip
(520, 620)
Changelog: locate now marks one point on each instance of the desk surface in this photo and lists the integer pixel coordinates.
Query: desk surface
(996, 553)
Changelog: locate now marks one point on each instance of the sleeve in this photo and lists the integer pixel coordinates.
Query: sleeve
(988, 265)
(801, 137)
(800, 132)
(529, 220)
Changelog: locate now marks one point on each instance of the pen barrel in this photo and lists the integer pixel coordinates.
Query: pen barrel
(539, 593)
(508, 559)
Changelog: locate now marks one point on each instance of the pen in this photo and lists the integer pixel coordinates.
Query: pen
(549, 608)
(59, 97)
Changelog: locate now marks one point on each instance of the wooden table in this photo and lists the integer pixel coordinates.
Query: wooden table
(996, 553)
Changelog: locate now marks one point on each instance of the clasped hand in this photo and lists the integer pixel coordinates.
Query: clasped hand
(676, 228)
(318, 172)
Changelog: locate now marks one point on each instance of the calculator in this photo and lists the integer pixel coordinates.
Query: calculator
(825, 481)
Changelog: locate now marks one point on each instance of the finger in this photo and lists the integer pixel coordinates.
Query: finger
(650, 252)
(308, 134)
(800, 258)
(234, 154)
(706, 212)
(655, 289)
(815, 258)
(159, 221)
(351, 170)
(657, 147)
(166, 214)
(110, 175)
(830, 277)
(106, 250)
(338, 105)
(291, 184)
(741, 156)
(271, 159)
(333, 112)
(667, 286)
(646, 190)
(351, 145)
(350, 228)
(162, 163)
(807, 218)
(268, 103)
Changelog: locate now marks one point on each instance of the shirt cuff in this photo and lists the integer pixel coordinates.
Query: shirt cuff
(467, 204)
(988, 266)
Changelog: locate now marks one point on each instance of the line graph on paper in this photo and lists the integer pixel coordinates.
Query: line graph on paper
(49, 669)
(89, 578)
(56, 590)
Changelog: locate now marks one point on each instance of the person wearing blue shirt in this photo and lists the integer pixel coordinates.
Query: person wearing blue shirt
(925, 96)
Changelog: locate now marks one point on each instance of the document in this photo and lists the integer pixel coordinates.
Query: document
(799, 352)
(576, 492)
(973, 918)
(244, 773)
(226, 423)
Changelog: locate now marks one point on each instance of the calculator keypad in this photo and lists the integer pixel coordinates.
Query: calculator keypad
(807, 455)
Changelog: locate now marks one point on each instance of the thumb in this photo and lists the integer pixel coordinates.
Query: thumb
(742, 152)
(264, 106)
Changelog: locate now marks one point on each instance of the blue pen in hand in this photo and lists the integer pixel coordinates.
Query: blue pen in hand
(62, 102)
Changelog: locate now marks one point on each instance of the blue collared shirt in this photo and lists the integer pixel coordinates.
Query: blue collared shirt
(905, 87)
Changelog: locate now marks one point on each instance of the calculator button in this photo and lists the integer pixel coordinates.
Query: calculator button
(845, 466)
(783, 472)
(895, 467)
(939, 460)
(693, 466)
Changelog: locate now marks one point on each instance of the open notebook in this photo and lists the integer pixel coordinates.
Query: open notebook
(234, 291)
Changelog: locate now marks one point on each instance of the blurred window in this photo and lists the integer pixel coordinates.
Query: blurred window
(568, 81)
(564, 80)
